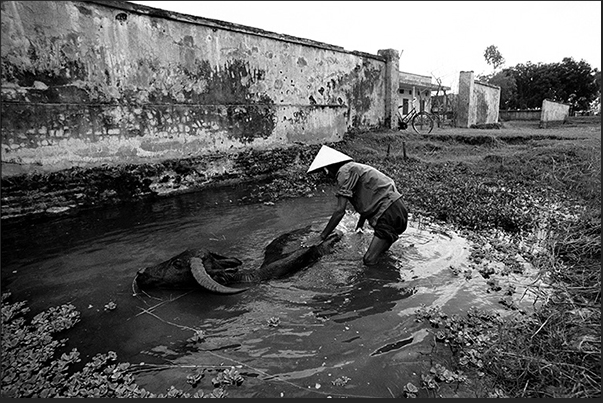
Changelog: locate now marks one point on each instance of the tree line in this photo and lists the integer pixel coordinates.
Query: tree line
(525, 86)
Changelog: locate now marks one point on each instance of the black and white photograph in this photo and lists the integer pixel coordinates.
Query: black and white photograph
(300, 199)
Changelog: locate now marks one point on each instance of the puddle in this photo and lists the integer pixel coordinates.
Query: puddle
(336, 329)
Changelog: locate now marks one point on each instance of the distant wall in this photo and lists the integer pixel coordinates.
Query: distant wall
(487, 103)
(477, 102)
(91, 82)
(521, 114)
(553, 113)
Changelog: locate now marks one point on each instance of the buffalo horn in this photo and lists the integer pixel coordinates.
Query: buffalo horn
(207, 282)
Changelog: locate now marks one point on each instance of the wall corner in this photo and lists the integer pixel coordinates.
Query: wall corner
(465, 100)
(392, 82)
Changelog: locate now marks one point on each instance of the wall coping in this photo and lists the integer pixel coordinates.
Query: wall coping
(414, 74)
(521, 110)
(486, 84)
(557, 102)
(208, 22)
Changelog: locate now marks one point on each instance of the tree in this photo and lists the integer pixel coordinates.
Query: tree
(508, 87)
(577, 78)
(493, 57)
(525, 86)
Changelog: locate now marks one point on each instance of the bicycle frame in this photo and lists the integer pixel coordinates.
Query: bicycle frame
(406, 118)
(421, 121)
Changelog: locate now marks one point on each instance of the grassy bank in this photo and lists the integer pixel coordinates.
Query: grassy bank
(541, 188)
(523, 181)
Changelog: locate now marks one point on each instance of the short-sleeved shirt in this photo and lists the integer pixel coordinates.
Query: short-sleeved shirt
(369, 191)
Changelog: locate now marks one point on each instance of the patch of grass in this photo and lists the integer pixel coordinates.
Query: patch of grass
(557, 353)
(556, 350)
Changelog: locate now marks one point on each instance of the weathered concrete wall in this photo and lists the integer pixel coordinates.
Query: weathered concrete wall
(487, 103)
(553, 113)
(521, 114)
(392, 80)
(478, 103)
(465, 114)
(91, 83)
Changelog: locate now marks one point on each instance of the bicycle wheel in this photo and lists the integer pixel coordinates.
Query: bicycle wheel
(422, 123)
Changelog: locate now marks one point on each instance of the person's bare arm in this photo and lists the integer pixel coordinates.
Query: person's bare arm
(316, 238)
(335, 217)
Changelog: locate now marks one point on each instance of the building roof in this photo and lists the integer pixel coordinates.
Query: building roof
(418, 81)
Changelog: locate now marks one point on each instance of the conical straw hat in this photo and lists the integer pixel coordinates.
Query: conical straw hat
(327, 156)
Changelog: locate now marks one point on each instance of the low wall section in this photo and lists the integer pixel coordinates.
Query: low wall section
(522, 114)
(553, 113)
(86, 83)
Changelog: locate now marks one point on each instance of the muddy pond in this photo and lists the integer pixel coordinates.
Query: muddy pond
(336, 328)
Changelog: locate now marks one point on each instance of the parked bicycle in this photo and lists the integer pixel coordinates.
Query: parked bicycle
(422, 122)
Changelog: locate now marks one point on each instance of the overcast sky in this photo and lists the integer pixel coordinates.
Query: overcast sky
(436, 38)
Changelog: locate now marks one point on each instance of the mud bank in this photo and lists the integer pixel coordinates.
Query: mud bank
(34, 192)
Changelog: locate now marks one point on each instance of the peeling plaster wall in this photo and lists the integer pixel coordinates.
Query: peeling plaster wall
(487, 103)
(553, 113)
(91, 83)
(477, 102)
(465, 114)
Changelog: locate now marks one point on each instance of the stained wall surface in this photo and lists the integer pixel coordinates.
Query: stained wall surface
(486, 103)
(553, 113)
(477, 102)
(91, 83)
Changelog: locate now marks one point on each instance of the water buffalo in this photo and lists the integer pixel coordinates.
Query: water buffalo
(216, 273)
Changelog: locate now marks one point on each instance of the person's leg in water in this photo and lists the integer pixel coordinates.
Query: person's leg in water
(377, 247)
(389, 227)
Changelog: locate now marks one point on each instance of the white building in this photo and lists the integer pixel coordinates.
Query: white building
(415, 86)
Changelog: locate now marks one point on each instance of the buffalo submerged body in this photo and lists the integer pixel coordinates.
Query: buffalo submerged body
(213, 272)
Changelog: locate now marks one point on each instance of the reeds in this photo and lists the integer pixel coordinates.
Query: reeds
(557, 352)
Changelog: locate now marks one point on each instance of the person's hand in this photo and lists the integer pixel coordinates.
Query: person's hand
(311, 240)
(360, 225)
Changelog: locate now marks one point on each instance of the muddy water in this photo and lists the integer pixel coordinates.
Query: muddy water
(335, 329)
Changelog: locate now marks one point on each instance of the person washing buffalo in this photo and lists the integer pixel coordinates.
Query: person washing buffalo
(370, 192)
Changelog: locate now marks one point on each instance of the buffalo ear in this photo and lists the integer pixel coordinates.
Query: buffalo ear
(230, 262)
(208, 283)
(225, 262)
